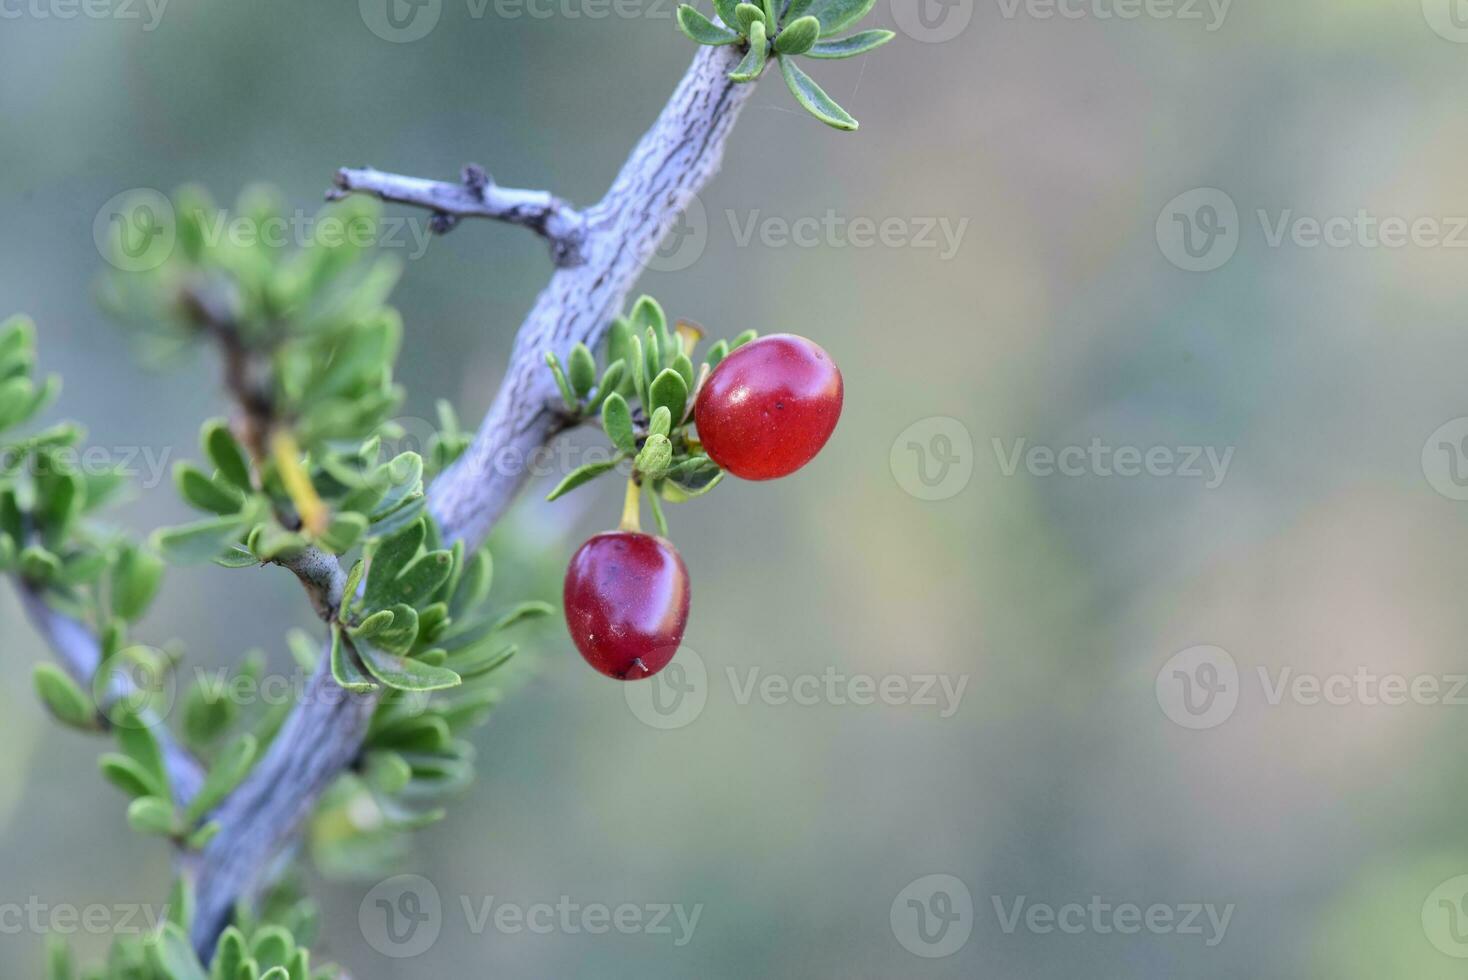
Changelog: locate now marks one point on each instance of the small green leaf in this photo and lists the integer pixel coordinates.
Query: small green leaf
(754, 61)
(181, 902)
(390, 557)
(173, 956)
(813, 98)
(343, 532)
(567, 395)
(225, 453)
(772, 15)
(200, 838)
(201, 492)
(200, 541)
(522, 612)
(126, 774)
(581, 370)
(798, 36)
(725, 10)
(39, 566)
(345, 669)
(716, 353)
(422, 577)
(135, 579)
(748, 14)
(743, 339)
(834, 15)
(701, 30)
(386, 771)
(662, 422)
(151, 815)
(58, 959)
(611, 379)
(657, 453)
(349, 591)
(139, 744)
(616, 419)
(235, 557)
(62, 697)
(399, 636)
(228, 770)
(580, 476)
(847, 47)
(669, 391)
(403, 674)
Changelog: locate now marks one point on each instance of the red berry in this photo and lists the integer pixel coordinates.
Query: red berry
(626, 599)
(769, 407)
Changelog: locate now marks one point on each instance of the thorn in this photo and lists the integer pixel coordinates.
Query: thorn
(476, 178)
(441, 223)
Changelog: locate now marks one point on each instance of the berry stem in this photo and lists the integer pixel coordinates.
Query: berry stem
(632, 508)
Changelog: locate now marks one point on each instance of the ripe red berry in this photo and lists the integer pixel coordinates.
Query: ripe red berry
(626, 599)
(769, 407)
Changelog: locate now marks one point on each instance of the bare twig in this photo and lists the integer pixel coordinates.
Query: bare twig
(323, 735)
(475, 196)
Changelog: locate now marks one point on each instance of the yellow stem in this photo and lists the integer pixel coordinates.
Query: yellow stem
(632, 508)
(313, 513)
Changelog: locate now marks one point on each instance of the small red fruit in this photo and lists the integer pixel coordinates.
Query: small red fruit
(769, 407)
(626, 599)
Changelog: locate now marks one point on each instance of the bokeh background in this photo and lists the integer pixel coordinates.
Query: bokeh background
(1332, 543)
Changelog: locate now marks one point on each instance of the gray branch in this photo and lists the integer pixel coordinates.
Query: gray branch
(675, 159)
(475, 196)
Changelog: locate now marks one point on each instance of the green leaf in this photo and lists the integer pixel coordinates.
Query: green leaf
(610, 380)
(389, 558)
(343, 532)
(181, 902)
(772, 15)
(126, 774)
(135, 579)
(204, 493)
(748, 14)
(581, 370)
(847, 47)
(798, 36)
(62, 697)
(349, 591)
(616, 419)
(58, 959)
(139, 744)
(725, 10)
(151, 815)
(813, 98)
(7, 552)
(837, 15)
(657, 453)
(229, 955)
(200, 838)
(669, 391)
(386, 771)
(225, 452)
(199, 541)
(701, 30)
(754, 61)
(743, 339)
(405, 473)
(662, 421)
(275, 543)
(345, 669)
(417, 582)
(399, 636)
(567, 395)
(228, 770)
(235, 557)
(404, 674)
(38, 565)
(581, 476)
(647, 314)
(173, 956)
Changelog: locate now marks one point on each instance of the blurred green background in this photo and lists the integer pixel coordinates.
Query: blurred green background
(1059, 318)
